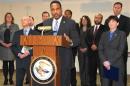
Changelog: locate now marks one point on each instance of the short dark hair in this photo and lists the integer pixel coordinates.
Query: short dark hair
(32, 17)
(113, 18)
(118, 3)
(55, 1)
(45, 13)
(69, 11)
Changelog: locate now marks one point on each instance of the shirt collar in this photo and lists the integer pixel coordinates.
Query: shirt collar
(97, 26)
(59, 20)
(118, 16)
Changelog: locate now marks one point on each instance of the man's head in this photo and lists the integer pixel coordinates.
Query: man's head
(45, 15)
(56, 9)
(98, 18)
(25, 21)
(117, 8)
(68, 14)
(31, 21)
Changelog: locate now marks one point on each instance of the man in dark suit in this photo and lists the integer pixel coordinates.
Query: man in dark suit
(111, 47)
(45, 16)
(23, 56)
(124, 25)
(64, 27)
(68, 14)
(93, 39)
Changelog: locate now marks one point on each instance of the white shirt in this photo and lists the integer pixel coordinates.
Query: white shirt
(118, 16)
(54, 22)
(27, 30)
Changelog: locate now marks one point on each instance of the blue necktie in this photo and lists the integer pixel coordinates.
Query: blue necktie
(110, 36)
(55, 30)
(25, 32)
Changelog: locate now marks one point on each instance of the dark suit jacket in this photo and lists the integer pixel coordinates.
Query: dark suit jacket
(94, 39)
(38, 25)
(112, 50)
(16, 48)
(68, 27)
(83, 37)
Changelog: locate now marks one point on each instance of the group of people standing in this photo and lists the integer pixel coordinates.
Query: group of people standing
(97, 46)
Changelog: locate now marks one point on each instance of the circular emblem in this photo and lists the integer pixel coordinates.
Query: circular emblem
(43, 70)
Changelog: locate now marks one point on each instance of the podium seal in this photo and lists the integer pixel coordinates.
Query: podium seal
(43, 70)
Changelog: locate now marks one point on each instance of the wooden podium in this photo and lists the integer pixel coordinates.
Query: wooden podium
(46, 45)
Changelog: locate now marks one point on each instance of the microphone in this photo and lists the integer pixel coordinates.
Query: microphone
(44, 29)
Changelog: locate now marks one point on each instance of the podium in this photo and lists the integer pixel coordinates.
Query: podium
(46, 46)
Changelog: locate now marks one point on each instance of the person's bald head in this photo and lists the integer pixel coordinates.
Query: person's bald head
(25, 21)
(98, 18)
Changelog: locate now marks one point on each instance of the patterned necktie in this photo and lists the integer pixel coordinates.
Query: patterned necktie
(55, 30)
(96, 28)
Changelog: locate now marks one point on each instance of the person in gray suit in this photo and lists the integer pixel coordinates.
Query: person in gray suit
(7, 30)
(111, 47)
(23, 54)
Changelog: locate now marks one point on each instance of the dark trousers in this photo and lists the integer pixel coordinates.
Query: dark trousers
(73, 69)
(22, 67)
(83, 68)
(20, 74)
(92, 63)
(8, 68)
(125, 55)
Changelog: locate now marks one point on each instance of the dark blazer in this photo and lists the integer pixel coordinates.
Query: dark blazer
(94, 39)
(112, 50)
(16, 48)
(38, 25)
(68, 27)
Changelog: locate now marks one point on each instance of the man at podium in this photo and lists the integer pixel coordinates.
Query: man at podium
(64, 27)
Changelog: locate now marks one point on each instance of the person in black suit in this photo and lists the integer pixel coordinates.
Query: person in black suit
(23, 57)
(93, 39)
(124, 25)
(85, 24)
(68, 14)
(64, 27)
(111, 47)
(45, 16)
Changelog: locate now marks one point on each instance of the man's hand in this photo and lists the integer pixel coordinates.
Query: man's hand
(26, 53)
(94, 47)
(83, 50)
(106, 65)
(68, 38)
(1, 41)
(21, 56)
